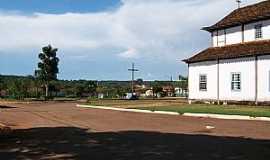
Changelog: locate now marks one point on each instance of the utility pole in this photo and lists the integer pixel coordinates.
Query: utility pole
(132, 70)
(239, 3)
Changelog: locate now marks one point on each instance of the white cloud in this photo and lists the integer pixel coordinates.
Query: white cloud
(130, 53)
(165, 29)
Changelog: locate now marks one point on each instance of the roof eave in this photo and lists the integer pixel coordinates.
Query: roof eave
(186, 60)
(221, 58)
(208, 29)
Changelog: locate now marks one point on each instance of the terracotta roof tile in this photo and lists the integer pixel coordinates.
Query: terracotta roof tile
(232, 51)
(259, 11)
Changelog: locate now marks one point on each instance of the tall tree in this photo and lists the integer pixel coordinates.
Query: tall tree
(91, 88)
(140, 81)
(157, 88)
(48, 66)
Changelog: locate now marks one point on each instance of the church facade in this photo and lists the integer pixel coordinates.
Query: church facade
(237, 65)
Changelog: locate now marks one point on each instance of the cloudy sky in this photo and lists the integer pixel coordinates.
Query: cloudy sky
(99, 39)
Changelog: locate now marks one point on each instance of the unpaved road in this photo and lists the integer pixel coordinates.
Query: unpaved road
(64, 131)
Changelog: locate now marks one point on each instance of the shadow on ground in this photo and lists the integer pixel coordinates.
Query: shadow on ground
(76, 143)
(6, 107)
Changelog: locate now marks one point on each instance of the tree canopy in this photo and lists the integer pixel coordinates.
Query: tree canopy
(48, 66)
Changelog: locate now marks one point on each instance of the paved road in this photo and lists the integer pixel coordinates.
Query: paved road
(64, 131)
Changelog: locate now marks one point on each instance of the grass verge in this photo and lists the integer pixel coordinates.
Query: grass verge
(214, 109)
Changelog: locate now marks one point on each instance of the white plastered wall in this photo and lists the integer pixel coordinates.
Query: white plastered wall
(246, 68)
(206, 68)
(233, 35)
(264, 78)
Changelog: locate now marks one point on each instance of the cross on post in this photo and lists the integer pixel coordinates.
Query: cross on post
(132, 70)
(239, 3)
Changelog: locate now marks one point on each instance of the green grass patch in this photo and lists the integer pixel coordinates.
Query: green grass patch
(181, 107)
(214, 109)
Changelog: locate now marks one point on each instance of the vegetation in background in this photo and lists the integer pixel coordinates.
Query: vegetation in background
(21, 87)
(157, 88)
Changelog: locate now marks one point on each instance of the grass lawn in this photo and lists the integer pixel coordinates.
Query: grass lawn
(138, 103)
(214, 109)
(181, 106)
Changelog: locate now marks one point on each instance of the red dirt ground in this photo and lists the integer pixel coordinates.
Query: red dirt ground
(64, 131)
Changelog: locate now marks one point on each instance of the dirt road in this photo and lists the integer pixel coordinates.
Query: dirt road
(64, 131)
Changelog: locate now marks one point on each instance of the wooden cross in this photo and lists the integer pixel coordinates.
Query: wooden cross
(239, 3)
(132, 76)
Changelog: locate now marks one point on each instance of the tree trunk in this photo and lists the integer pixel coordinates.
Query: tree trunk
(36, 91)
(46, 90)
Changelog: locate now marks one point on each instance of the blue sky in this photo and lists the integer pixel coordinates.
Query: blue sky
(99, 39)
(59, 6)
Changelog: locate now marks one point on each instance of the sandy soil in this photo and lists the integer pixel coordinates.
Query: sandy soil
(64, 131)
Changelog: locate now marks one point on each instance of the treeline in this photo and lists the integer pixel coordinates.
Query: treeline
(21, 87)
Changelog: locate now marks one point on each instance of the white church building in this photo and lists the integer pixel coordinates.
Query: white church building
(237, 65)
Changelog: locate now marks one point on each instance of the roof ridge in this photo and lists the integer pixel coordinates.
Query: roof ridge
(243, 15)
(252, 5)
